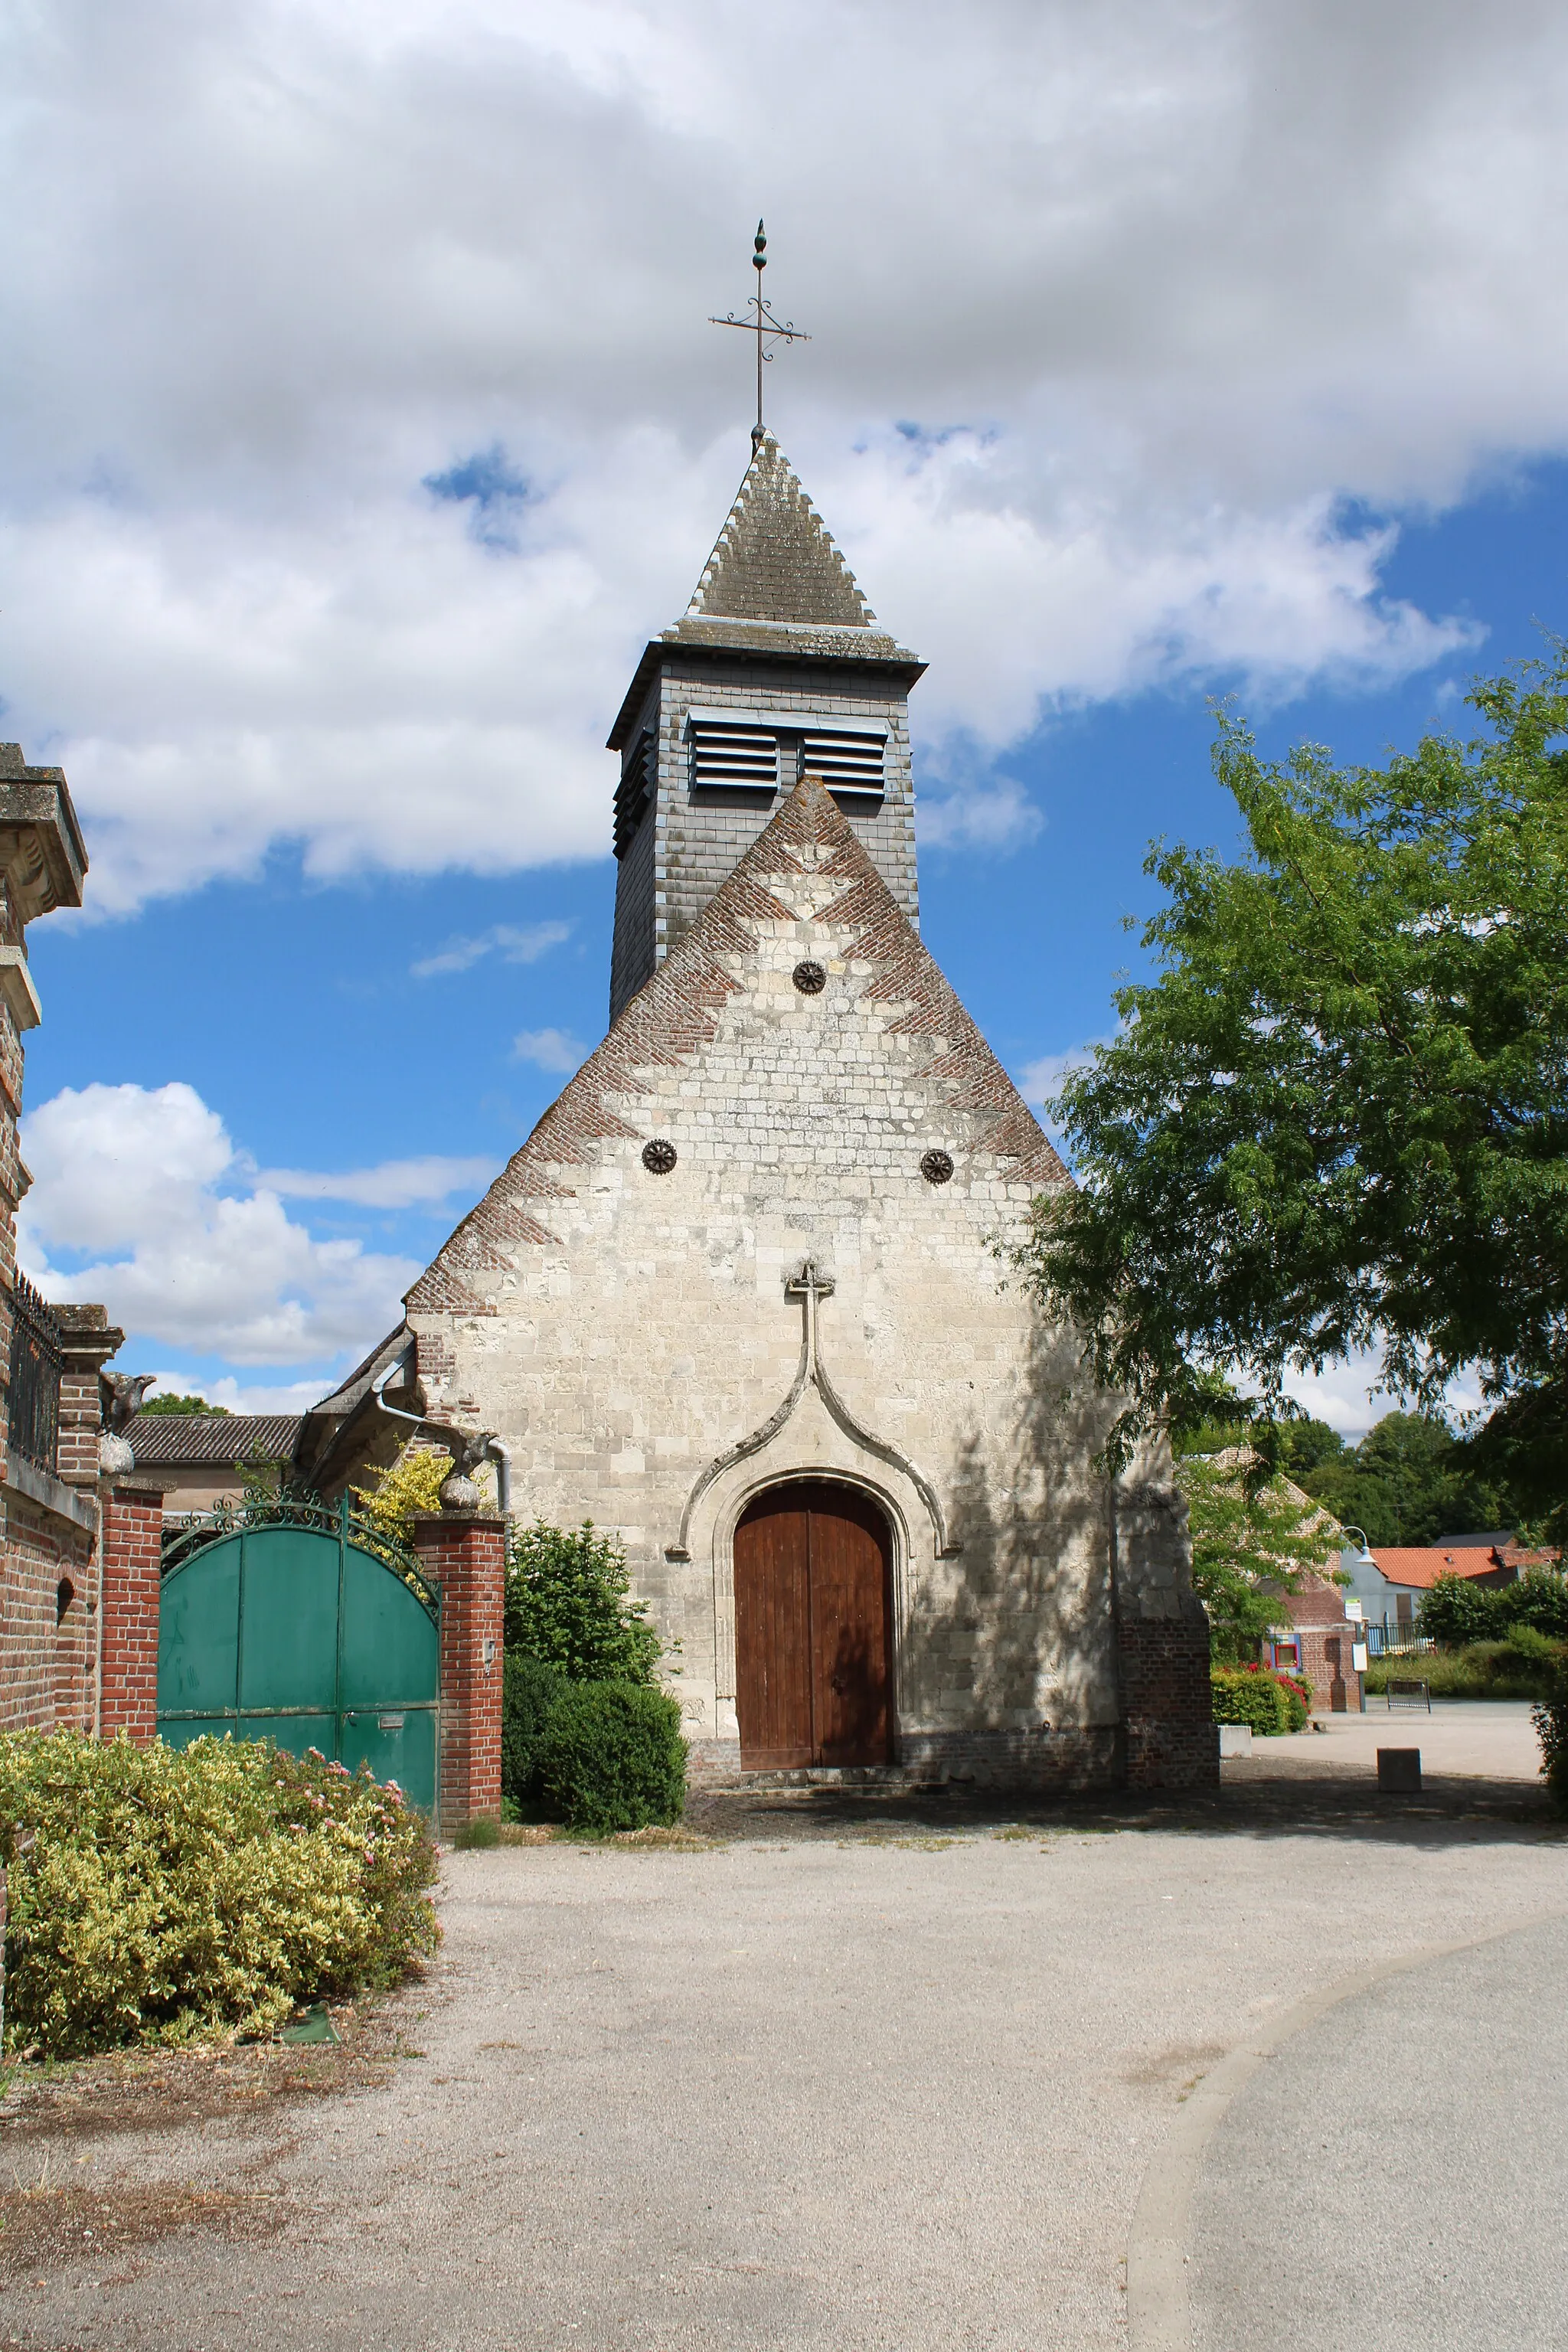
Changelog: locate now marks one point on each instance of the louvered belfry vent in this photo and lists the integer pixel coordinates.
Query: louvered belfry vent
(734, 756)
(845, 762)
(635, 791)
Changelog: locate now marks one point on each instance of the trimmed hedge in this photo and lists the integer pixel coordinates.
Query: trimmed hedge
(172, 1894)
(597, 1756)
(529, 1690)
(1267, 1703)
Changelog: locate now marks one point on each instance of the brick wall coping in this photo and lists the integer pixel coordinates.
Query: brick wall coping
(138, 1485)
(51, 1494)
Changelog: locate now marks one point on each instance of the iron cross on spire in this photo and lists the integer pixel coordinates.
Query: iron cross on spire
(762, 323)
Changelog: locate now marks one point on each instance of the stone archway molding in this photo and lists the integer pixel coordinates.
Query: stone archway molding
(810, 1285)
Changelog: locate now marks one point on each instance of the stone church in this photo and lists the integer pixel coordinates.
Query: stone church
(743, 1295)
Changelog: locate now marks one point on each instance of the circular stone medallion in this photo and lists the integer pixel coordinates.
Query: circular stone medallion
(809, 978)
(658, 1157)
(936, 1167)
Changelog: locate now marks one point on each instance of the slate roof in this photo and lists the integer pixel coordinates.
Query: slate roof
(220, 1440)
(674, 1017)
(775, 584)
(775, 559)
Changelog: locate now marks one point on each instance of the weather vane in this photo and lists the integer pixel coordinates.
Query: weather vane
(762, 324)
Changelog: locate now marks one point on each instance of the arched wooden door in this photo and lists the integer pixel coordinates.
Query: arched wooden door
(814, 1614)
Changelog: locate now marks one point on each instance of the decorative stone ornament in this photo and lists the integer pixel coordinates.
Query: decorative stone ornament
(457, 1492)
(936, 1167)
(658, 1157)
(809, 977)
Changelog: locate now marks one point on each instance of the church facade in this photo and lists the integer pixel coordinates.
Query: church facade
(744, 1295)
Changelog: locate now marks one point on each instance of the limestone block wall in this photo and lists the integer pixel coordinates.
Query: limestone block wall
(650, 1348)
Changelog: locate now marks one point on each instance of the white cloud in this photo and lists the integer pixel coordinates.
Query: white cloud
(523, 943)
(394, 1184)
(998, 816)
(294, 1396)
(548, 1049)
(1042, 1078)
(127, 1177)
(1348, 1396)
(1160, 283)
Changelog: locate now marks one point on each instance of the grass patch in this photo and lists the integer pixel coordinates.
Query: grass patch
(1524, 1666)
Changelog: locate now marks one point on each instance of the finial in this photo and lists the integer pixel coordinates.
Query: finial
(762, 324)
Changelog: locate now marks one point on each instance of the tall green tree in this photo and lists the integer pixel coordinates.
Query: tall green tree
(1337, 1117)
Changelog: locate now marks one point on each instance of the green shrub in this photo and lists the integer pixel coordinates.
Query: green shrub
(1524, 1666)
(171, 1893)
(1298, 1695)
(529, 1691)
(566, 1604)
(610, 1756)
(1549, 1715)
(1248, 1695)
(1457, 1611)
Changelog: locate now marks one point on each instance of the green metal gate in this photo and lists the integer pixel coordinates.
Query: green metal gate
(307, 1627)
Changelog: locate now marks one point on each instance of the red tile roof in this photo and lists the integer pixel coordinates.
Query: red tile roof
(1420, 1565)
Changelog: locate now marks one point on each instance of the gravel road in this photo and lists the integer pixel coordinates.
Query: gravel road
(833, 2082)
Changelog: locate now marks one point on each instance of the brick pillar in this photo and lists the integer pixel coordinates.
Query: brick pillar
(464, 1556)
(1171, 1740)
(130, 1545)
(90, 1340)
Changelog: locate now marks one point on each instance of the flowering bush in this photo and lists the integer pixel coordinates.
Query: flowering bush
(1271, 1702)
(171, 1893)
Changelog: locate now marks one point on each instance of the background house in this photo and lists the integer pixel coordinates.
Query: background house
(204, 1458)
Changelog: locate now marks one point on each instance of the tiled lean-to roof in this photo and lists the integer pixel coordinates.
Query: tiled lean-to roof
(222, 1441)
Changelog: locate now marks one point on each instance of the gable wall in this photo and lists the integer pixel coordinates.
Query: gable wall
(645, 1330)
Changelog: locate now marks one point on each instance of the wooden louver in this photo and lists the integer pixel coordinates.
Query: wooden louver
(733, 756)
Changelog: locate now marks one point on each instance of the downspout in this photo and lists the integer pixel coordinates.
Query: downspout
(495, 1451)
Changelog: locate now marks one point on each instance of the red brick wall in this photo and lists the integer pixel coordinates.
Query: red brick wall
(132, 1532)
(466, 1558)
(1167, 1705)
(1326, 1662)
(47, 1659)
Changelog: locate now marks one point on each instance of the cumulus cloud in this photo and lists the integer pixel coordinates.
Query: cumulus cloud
(548, 1049)
(127, 1178)
(363, 417)
(514, 943)
(394, 1184)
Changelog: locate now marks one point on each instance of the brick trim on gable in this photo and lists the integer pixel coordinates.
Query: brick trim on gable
(676, 1014)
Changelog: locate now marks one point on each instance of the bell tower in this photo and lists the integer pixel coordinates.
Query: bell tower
(777, 665)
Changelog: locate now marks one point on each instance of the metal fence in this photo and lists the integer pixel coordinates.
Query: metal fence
(33, 1397)
(1397, 1637)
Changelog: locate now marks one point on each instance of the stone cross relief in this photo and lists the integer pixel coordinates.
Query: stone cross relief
(811, 1285)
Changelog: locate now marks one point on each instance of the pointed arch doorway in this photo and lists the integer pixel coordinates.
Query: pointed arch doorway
(814, 1617)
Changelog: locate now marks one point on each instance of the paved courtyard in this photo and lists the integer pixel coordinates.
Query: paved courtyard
(849, 2079)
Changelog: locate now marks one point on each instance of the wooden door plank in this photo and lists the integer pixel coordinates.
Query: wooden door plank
(772, 1635)
(851, 1616)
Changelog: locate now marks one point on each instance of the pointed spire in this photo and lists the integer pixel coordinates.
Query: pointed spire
(775, 560)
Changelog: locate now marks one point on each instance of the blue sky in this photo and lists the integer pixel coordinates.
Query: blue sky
(364, 418)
